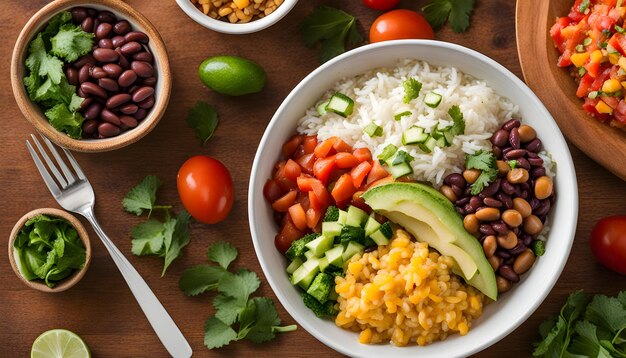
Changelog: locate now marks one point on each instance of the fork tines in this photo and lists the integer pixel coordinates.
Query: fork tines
(64, 180)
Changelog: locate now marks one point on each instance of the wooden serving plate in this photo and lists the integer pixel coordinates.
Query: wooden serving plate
(556, 89)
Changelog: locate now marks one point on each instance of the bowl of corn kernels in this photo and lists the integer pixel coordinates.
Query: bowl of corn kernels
(236, 16)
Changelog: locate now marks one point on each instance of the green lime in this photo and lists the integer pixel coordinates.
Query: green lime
(59, 343)
(232, 75)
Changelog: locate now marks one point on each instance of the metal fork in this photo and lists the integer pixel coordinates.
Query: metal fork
(74, 193)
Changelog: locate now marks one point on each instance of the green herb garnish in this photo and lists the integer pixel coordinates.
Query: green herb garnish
(255, 318)
(203, 118)
(399, 116)
(587, 41)
(71, 42)
(143, 196)
(458, 126)
(538, 247)
(486, 163)
(332, 28)
(584, 5)
(513, 164)
(412, 88)
(49, 249)
(456, 12)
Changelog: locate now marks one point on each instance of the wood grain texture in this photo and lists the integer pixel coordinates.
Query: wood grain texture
(557, 88)
(101, 308)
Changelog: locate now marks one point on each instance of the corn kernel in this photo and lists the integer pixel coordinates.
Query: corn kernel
(242, 3)
(463, 328)
(611, 85)
(355, 267)
(475, 303)
(365, 336)
(579, 59)
(602, 107)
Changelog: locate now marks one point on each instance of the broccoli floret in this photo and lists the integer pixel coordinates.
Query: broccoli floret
(332, 214)
(321, 310)
(538, 247)
(321, 286)
(298, 247)
(385, 229)
(352, 233)
(334, 271)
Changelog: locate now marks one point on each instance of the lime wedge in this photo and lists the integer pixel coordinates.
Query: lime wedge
(59, 343)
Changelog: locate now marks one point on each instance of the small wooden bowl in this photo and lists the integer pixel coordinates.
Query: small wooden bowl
(82, 233)
(33, 112)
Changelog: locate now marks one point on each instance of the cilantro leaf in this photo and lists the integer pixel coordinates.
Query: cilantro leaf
(41, 63)
(54, 24)
(147, 238)
(266, 319)
(485, 178)
(142, 196)
(228, 308)
(222, 253)
(412, 88)
(587, 342)
(240, 285)
(457, 12)
(481, 160)
(203, 118)
(199, 279)
(178, 239)
(607, 313)
(552, 333)
(458, 126)
(217, 333)
(71, 42)
(330, 27)
(63, 120)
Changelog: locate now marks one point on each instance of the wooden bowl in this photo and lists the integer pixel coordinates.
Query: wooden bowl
(34, 113)
(557, 89)
(82, 233)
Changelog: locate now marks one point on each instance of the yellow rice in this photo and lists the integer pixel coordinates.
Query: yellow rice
(404, 293)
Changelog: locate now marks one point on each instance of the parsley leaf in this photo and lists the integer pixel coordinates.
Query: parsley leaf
(217, 333)
(199, 279)
(71, 42)
(143, 196)
(332, 28)
(147, 238)
(222, 253)
(412, 88)
(457, 12)
(203, 118)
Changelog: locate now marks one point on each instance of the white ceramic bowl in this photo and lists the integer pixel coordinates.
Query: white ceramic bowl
(499, 318)
(228, 28)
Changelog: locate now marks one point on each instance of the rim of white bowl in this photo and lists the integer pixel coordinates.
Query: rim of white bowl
(236, 29)
(566, 172)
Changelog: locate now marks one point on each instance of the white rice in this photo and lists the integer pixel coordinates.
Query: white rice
(378, 96)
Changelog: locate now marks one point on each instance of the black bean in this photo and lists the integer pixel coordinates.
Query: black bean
(534, 145)
(535, 162)
(500, 137)
(486, 229)
(137, 36)
(105, 43)
(141, 114)
(78, 14)
(505, 199)
(121, 27)
(106, 16)
(502, 254)
(491, 202)
(507, 272)
(523, 163)
(518, 249)
(103, 30)
(492, 189)
(507, 187)
(500, 227)
(118, 41)
(497, 152)
(514, 138)
(462, 201)
(514, 154)
(87, 24)
(90, 126)
(543, 209)
(510, 124)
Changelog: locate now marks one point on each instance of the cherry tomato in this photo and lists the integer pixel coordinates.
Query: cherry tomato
(382, 5)
(608, 242)
(205, 188)
(400, 24)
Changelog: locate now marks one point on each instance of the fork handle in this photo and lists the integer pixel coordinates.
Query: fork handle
(164, 326)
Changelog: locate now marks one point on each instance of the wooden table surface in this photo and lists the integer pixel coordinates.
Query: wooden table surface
(102, 309)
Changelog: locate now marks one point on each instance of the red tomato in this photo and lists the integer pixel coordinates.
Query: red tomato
(608, 242)
(382, 5)
(205, 188)
(400, 24)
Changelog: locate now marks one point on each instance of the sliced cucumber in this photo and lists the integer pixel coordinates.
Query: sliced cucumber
(356, 217)
(428, 145)
(343, 215)
(352, 249)
(321, 108)
(400, 170)
(320, 245)
(293, 266)
(414, 135)
(341, 104)
(388, 152)
(334, 255)
(331, 228)
(309, 254)
(373, 130)
(305, 274)
(432, 99)
(371, 226)
(399, 116)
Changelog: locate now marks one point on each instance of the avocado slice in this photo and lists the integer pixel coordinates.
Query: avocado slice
(432, 218)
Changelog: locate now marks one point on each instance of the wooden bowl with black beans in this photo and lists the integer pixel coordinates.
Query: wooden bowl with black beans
(92, 76)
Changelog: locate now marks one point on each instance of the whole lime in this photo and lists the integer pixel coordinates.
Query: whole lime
(232, 75)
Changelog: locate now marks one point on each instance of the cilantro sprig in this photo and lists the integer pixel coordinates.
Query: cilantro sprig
(237, 315)
(333, 29)
(412, 88)
(585, 327)
(456, 12)
(154, 237)
(486, 163)
(203, 119)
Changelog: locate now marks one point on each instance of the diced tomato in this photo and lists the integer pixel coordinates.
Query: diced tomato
(600, 78)
(555, 32)
(618, 41)
(604, 22)
(592, 67)
(272, 191)
(305, 182)
(343, 189)
(299, 152)
(611, 101)
(564, 60)
(382, 181)
(292, 170)
(298, 216)
(322, 195)
(590, 107)
(285, 183)
(359, 173)
(313, 217)
(303, 199)
(377, 172)
(309, 144)
(584, 86)
(620, 112)
(323, 167)
(314, 202)
(362, 154)
(574, 13)
(323, 149)
(346, 160)
(292, 144)
(283, 203)
(306, 163)
(288, 234)
(340, 145)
